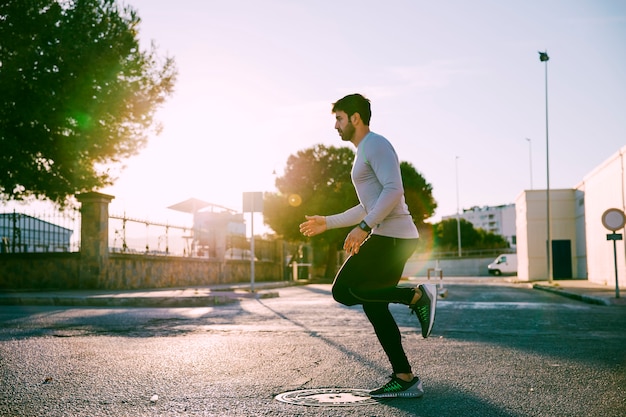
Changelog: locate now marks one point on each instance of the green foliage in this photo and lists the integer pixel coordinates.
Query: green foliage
(320, 176)
(417, 193)
(76, 94)
(317, 181)
(446, 236)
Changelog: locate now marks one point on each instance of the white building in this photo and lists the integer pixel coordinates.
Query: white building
(499, 220)
(580, 248)
(215, 228)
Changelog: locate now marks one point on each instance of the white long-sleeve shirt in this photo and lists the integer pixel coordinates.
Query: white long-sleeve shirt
(378, 183)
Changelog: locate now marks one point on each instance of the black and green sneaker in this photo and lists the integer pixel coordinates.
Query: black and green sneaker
(425, 307)
(397, 388)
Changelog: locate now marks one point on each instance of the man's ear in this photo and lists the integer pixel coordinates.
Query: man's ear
(355, 118)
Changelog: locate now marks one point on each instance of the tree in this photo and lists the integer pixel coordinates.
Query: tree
(418, 194)
(446, 236)
(317, 181)
(77, 95)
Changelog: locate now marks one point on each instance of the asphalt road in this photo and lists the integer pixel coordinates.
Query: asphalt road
(496, 350)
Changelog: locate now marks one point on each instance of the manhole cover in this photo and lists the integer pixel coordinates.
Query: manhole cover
(328, 397)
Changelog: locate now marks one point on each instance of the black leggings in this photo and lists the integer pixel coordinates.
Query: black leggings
(370, 278)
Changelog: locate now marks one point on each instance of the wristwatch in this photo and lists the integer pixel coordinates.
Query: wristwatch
(363, 226)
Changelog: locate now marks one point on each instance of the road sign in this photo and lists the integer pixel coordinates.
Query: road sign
(252, 202)
(613, 219)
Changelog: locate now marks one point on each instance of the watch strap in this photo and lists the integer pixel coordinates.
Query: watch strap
(364, 226)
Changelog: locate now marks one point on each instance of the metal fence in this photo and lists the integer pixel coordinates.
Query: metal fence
(133, 235)
(43, 232)
(469, 253)
(238, 248)
(57, 231)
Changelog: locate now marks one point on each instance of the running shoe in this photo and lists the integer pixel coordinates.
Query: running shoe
(397, 388)
(425, 311)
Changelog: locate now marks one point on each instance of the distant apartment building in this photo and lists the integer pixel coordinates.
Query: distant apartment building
(499, 220)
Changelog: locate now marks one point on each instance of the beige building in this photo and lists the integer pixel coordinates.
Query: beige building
(580, 248)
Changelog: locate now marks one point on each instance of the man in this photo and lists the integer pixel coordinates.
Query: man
(380, 244)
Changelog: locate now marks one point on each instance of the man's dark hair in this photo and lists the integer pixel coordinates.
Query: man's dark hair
(354, 103)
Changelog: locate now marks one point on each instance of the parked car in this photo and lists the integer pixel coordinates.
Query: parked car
(504, 264)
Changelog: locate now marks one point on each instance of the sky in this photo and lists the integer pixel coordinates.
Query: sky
(456, 86)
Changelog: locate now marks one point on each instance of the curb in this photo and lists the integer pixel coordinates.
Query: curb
(201, 301)
(589, 299)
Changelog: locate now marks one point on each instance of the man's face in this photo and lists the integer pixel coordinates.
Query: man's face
(344, 126)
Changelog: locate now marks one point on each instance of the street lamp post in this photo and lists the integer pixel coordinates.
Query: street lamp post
(458, 214)
(530, 161)
(543, 57)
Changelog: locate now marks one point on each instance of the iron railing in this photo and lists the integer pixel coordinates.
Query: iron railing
(468, 253)
(60, 232)
(132, 235)
(47, 232)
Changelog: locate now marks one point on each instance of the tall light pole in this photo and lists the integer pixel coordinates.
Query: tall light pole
(543, 57)
(530, 162)
(458, 214)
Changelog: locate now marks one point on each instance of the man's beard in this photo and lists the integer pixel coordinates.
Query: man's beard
(348, 133)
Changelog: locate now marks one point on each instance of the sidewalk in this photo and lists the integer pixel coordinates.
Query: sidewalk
(577, 289)
(214, 295)
(583, 290)
(204, 296)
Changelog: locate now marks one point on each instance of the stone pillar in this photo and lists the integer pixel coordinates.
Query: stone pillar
(94, 238)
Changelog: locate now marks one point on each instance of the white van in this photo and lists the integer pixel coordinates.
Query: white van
(504, 264)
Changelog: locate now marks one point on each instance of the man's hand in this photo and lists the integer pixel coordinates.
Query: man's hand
(354, 240)
(313, 226)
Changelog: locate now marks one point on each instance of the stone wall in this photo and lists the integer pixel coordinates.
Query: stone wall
(95, 268)
(34, 271)
(46, 271)
(29, 271)
(140, 271)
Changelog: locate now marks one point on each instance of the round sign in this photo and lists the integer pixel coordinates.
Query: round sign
(613, 219)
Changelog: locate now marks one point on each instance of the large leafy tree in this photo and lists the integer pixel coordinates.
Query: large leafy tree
(317, 181)
(77, 95)
(418, 194)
